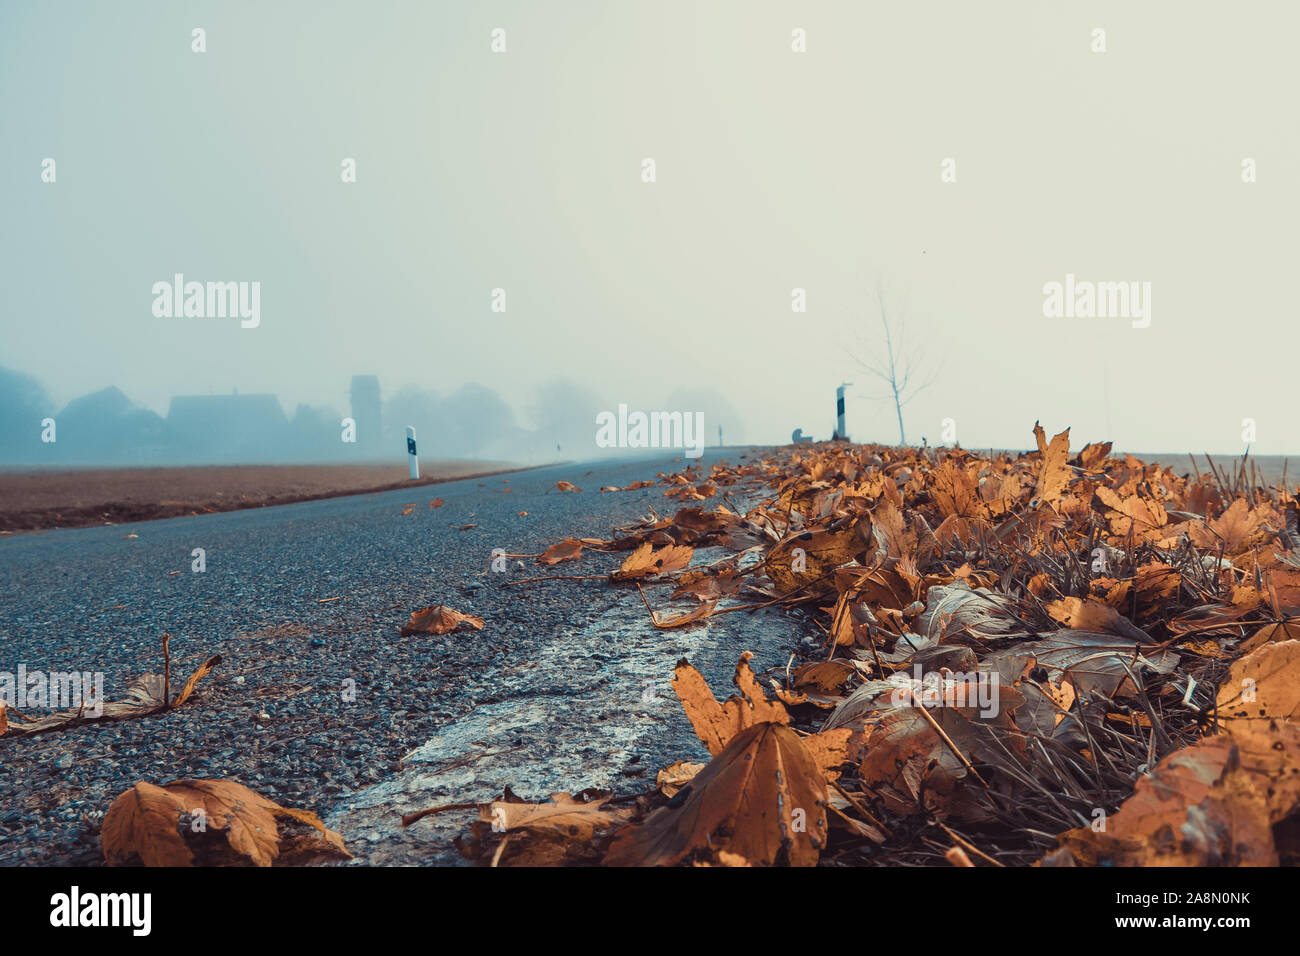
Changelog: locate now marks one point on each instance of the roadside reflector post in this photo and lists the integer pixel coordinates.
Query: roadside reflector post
(411, 456)
(840, 433)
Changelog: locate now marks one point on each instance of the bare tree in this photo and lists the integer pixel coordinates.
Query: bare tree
(898, 363)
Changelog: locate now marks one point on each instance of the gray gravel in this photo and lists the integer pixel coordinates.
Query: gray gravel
(286, 729)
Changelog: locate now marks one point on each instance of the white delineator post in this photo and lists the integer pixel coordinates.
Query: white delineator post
(839, 412)
(412, 457)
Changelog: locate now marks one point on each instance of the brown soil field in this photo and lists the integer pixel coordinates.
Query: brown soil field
(37, 499)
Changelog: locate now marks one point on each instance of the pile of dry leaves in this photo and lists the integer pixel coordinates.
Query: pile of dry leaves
(1055, 658)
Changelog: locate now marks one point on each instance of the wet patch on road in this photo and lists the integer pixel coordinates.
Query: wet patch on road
(595, 708)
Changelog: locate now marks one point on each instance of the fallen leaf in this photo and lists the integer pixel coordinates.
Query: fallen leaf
(570, 549)
(645, 561)
(1092, 615)
(805, 559)
(1234, 530)
(1215, 803)
(716, 724)
(1093, 454)
(1263, 687)
(145, 825)
(824, 677)
(1055, 474)
(692, 616)
(762, 798)
(440, 619)
(146, 695)
(676, 775)
(577, 820)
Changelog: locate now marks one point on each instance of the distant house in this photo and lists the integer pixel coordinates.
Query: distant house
(232, 428)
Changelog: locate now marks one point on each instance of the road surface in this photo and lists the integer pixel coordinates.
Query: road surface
(566, 686)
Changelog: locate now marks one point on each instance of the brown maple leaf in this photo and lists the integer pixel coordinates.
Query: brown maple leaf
(570, 549)
(645, 561)
(1055, 474)
(763, 798)
(1234, 530)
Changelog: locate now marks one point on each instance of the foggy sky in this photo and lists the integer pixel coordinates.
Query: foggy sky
(775, 170)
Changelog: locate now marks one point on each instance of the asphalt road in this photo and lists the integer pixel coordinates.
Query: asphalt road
(566, 686)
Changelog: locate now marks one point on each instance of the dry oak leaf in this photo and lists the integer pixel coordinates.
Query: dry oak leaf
(436, 503)
(567, 486)
(570, 549)
(694, 525)
(144, 824)
(1263, 687)
(440, 619)
(763, 799)
(646, 561)
(1055, 474)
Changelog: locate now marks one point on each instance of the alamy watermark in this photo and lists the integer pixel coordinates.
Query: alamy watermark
(65, 690)
(1085, 299)
(179, 299)
(651, 430)
(945, 688)
(75, 908)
